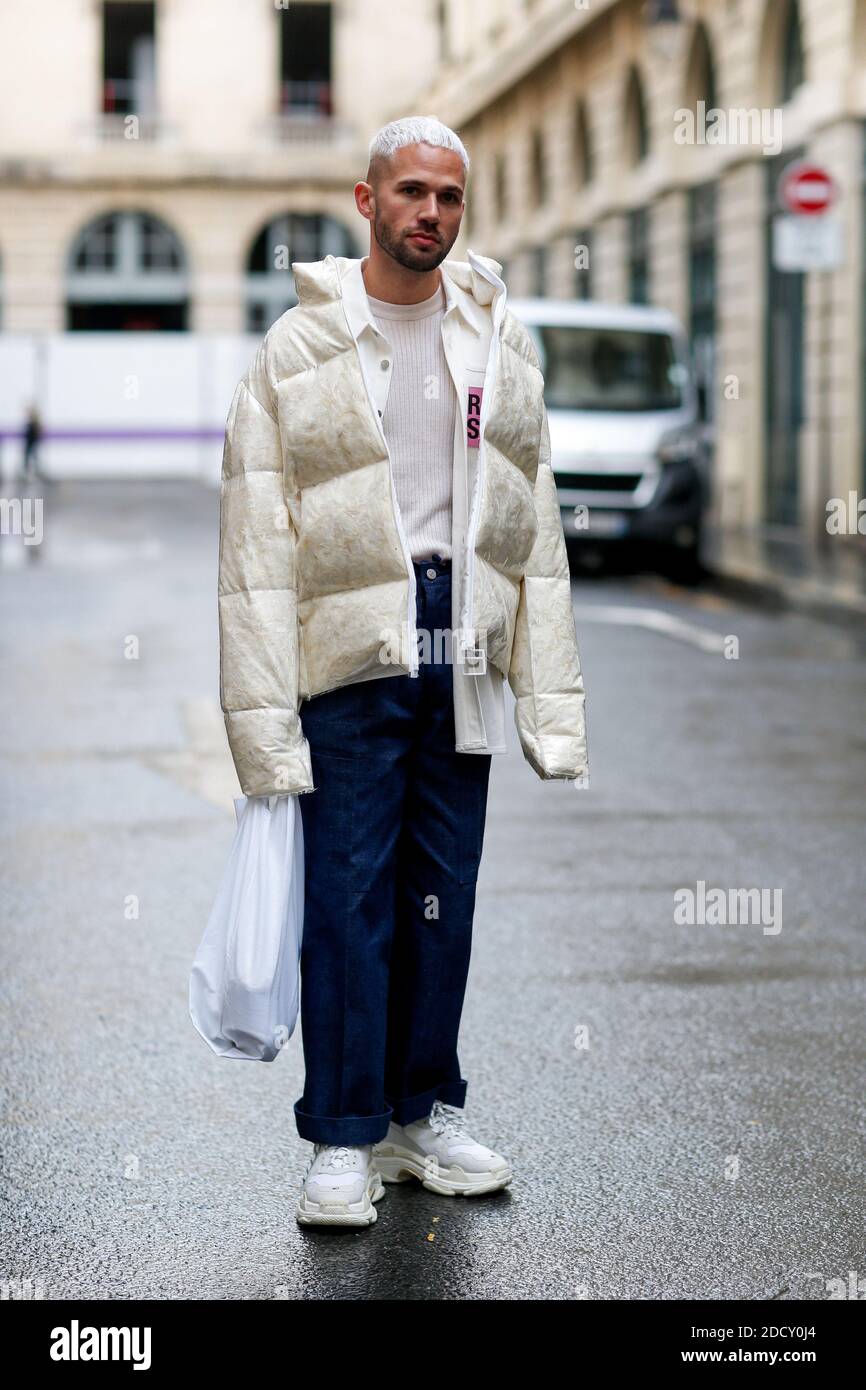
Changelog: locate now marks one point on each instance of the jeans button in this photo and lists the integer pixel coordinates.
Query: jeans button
(431, 574)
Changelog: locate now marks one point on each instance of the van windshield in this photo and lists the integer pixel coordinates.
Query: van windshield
(608, 368)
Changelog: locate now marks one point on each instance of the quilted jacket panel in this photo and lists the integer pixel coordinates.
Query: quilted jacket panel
(312, 569)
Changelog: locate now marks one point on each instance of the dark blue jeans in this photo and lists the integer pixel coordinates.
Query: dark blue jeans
(393, 836)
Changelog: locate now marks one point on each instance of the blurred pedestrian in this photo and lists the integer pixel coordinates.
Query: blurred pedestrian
(32, 438)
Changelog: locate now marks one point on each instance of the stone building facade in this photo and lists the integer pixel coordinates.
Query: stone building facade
(591, 124)
(161, 163)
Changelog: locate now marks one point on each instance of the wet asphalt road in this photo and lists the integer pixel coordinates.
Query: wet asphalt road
(707, 1141)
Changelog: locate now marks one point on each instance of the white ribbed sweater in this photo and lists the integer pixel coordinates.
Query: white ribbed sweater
(419, 420)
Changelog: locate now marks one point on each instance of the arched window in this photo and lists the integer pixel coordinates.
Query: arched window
(538, 168)
(701, 71)
(297, 236)
(792, 71)
(636, 127)
(468, 223)
(500, 187)
(442, 24)
(582, 149)
(127, 272)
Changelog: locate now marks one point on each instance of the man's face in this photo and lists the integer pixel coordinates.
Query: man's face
(416, 207)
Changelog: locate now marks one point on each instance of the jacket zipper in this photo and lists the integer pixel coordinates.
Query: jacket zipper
(412, 612)
(459, 687)
(472, 528)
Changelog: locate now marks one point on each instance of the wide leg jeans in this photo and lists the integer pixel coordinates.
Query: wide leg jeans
(393, 836)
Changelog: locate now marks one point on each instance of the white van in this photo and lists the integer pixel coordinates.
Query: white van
(627, 441)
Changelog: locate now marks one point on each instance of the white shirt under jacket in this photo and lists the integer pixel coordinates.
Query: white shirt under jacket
(467, 327)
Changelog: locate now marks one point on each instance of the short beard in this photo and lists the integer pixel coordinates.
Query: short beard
(401, 250)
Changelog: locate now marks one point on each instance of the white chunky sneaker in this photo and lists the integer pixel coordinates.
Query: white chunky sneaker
(340, 1186)
(440, 1152)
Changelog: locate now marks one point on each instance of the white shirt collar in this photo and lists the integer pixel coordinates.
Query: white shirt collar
(358, 306)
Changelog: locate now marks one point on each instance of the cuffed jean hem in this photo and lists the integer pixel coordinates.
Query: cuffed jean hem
(418, 1107)
(341, 1129)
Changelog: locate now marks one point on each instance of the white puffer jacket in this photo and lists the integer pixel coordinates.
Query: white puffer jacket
(315, 576)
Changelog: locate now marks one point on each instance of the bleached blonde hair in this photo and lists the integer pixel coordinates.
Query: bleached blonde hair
(412, 130)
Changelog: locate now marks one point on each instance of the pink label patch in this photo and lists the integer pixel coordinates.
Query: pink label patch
(473, 416)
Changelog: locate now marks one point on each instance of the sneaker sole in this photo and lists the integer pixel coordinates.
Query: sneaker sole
(395, 1166)
(361, 1213)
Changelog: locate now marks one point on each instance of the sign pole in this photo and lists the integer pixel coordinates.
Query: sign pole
(808, 237)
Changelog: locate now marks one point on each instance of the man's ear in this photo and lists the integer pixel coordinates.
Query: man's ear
(365, 198)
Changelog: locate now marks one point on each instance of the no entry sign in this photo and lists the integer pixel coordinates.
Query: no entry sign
(806, 189)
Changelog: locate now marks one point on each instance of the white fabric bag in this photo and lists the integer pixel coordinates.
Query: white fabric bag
(245, 980)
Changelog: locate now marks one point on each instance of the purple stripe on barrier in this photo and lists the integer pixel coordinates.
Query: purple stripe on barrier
(82, 436)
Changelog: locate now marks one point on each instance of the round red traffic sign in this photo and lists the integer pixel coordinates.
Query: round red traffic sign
(806, 188)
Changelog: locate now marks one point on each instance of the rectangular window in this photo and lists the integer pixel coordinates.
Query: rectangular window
(305, 60)
(608, 369)
(539, 271)
(128, 58)
(638, 256)
(702, 287)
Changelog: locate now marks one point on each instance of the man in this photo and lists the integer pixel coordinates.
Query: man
(390, 551)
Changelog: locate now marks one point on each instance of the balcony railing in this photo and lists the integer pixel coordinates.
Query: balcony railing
(306, 99)
(127, 97)
(304, 130)
(122, 99)
(306, 116)
(110, 127)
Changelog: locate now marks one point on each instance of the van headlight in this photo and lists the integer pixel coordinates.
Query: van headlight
(678, 446)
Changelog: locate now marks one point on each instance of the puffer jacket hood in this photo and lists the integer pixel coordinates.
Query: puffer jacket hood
(313, 562)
